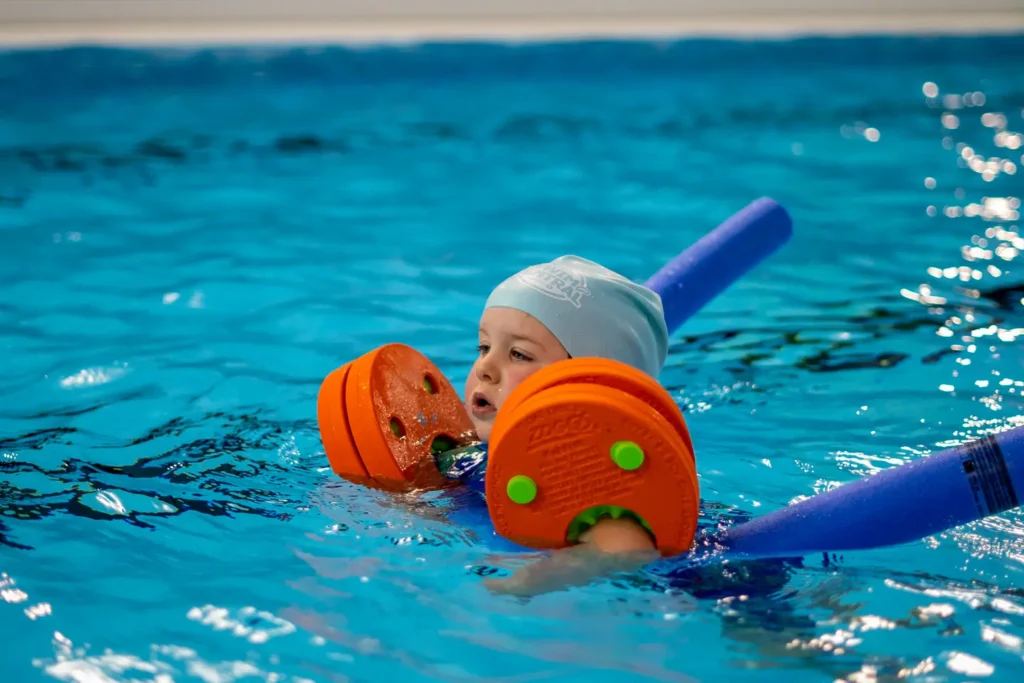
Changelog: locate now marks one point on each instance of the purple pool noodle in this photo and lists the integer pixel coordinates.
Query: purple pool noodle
(689, 281)
(899, 505)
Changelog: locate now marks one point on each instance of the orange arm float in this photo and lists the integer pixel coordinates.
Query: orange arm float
(385, 415)
(585, 438)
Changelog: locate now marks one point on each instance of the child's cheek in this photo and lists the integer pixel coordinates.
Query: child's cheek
(470, 383)
(515, 378)
(483, 430)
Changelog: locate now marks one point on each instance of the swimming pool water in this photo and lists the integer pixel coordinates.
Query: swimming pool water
(192, 239)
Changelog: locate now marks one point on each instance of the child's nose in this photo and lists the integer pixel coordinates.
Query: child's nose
(487, 370)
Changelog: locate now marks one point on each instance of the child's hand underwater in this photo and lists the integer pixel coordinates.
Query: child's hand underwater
(612, 546)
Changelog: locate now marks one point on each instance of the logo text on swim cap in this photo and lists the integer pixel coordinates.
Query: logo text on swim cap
(557, 282)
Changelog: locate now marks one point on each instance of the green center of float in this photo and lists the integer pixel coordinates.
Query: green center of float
(521, 489)
(590, 517)
(442, 444)
(627, 455)
(445, 450)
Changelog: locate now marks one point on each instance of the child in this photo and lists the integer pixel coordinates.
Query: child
(566, 308)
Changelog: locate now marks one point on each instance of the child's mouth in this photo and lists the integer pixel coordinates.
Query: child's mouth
(481, 406)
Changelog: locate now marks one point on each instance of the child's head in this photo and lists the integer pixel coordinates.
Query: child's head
(569, 307)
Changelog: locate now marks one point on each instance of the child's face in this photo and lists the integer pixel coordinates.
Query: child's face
(513, 345)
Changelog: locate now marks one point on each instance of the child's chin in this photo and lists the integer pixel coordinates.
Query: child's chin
(483, 429)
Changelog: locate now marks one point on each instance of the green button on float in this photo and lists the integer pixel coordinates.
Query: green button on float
(627, 455)
(521, 489)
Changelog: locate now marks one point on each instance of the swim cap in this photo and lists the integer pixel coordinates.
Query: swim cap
(593, 311)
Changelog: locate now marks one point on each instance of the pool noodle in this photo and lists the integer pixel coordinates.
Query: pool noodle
(692, 279)
(899, 505)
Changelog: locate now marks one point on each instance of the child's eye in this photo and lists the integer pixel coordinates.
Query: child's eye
(520, 356)
(482, 348)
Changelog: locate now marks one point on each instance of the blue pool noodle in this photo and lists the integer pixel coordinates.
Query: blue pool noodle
(693, 278)
(899, 505)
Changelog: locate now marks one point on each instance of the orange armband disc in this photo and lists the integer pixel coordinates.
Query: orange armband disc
(587, 438)
(383, 416)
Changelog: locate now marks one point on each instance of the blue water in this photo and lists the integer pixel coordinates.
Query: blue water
(193, 239)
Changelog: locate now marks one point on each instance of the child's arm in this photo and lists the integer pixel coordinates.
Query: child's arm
(609, 547)
(618, 536)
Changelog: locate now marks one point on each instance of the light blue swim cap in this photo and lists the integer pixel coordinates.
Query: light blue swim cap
(593, 311)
